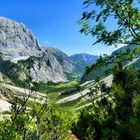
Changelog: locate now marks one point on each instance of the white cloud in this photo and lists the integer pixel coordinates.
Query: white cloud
(46, 42)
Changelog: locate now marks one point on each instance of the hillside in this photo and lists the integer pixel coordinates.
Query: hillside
(100, 71)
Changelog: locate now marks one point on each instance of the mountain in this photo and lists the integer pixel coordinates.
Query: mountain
(62, 58)
(73, 66)
(83, 60)
(21, 56)
(100, 71)
(17, 43)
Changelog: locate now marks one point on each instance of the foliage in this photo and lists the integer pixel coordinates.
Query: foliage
(106, 63)
(115, 114)
(11, 70)
(35, 121)
(70, 91)
(51, 87)
(99, 13)
(40, 122)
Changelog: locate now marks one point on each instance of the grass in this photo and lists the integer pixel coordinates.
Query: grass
(70, 104)
(53, 87)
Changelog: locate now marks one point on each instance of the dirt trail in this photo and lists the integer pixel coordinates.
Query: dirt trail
(74, 137)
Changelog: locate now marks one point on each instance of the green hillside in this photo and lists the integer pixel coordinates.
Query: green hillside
(105, 70)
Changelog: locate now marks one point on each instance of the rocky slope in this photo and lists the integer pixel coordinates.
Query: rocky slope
(62, 58)
(18, 43)
(5, 79)
(82, 61)
(73, 66)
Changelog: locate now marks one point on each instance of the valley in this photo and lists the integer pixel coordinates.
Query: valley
(49, 94)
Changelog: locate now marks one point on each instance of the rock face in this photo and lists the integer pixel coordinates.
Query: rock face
(62, 58)
(18, 43)
(73, 66)
(5, 79)
(68, 66)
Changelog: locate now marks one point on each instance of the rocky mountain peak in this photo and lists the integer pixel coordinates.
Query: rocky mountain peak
(17, 42)
(85, 58)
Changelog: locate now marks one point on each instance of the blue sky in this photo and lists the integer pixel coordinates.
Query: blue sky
(53, 22)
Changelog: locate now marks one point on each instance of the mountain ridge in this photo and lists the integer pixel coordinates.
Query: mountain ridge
(73, 66)
(18, 43)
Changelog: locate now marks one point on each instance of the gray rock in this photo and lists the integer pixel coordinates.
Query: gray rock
(62, 58)
(74, 66)
(18, 43)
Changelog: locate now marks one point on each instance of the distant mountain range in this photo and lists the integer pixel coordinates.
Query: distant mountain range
(74, 65)
(82, 61)
(21, 56)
